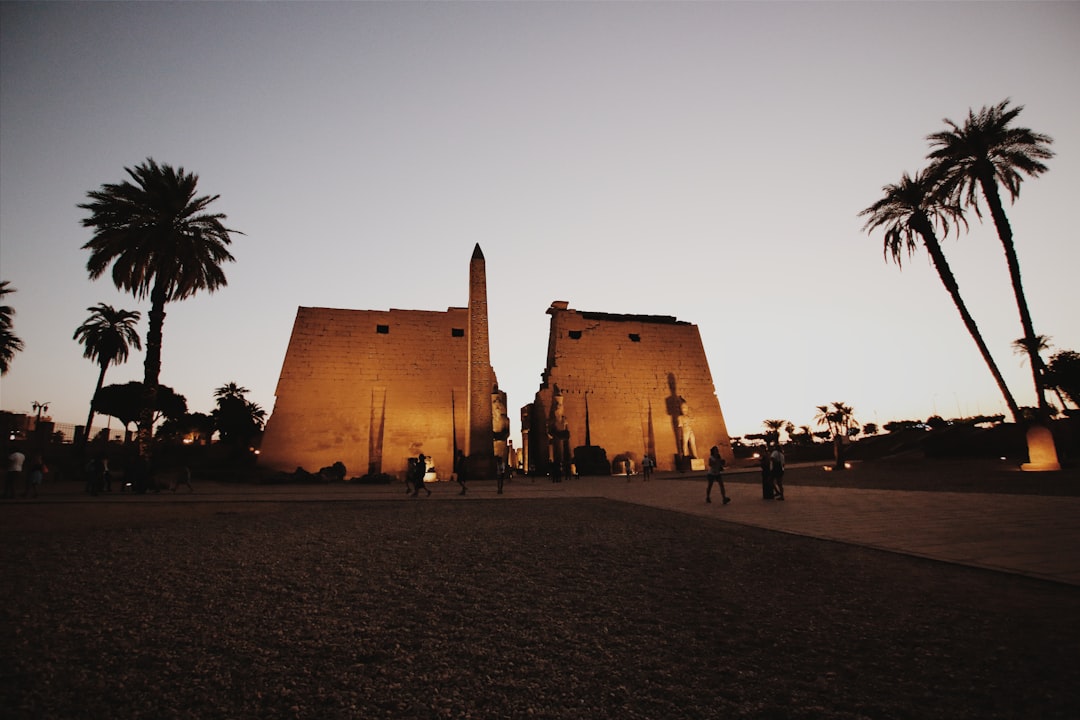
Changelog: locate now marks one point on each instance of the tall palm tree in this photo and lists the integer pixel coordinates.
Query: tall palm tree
(987, 152)
(161, 242)
(9, 342)
(912, 209)
(107, 336)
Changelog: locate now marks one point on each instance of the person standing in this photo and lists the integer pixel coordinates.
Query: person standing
(35, 477)
(715, 475)
(766, 477)
(14, 472)
(646, 467)
(776, 461)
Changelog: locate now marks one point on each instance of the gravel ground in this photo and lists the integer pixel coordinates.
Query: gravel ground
(504, 609)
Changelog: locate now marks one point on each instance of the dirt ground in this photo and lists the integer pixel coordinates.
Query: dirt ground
(555, 608)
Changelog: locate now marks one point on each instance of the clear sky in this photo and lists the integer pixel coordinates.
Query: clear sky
(701, 160)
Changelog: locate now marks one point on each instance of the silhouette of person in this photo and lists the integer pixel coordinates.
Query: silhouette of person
(776, 464)
(459, 470)
(35, 476)
(766, 476)
(14, 472)
(715, 475)
(418, 478)
(646, 467)
(183, 477)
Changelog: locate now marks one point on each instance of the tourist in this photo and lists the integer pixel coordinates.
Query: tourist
(418, 478)
(646, 467)
(182, 476)
(35, 476)
(459, 470)
(766, 477)
(776, 463)
(715, 475)
(14, 472)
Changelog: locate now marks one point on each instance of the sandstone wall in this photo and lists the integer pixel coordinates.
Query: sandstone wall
(634, 369)
(370, 388)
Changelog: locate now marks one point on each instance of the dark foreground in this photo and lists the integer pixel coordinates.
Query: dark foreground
(531, 608)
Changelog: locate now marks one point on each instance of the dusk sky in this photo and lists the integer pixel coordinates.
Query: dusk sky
(702, 160)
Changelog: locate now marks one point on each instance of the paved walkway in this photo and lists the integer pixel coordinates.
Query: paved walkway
(1035, 536)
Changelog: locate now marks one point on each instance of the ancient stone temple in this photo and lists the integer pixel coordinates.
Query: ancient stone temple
(372, 388)
(617, 387)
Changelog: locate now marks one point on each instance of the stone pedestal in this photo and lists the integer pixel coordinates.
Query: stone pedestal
(1041, 450)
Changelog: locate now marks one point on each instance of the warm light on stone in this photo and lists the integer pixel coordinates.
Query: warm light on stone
(1041, 450)
(372, 388)
(642, 380)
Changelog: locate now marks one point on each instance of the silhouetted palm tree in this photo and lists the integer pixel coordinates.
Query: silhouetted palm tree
(236, 418)
(9, 342)
(911, 209)
(988, 152)
(231, 390)
(840, 419)
(107, 336)
(1021, 346)
(774, 427)
(161, 242)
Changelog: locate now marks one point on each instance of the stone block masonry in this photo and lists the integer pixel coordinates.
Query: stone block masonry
(370, 388)
(644, 381)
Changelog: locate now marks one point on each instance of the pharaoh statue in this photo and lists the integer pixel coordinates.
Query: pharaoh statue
(685, 428)
(559, 432)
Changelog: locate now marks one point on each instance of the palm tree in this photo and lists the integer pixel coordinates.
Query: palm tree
(9, 342)
(161, 242)
(1042, 344)
(1065, 372)
(230, 390)
(840, 419)
(237, 419)
(987, 152)
(773, 427)
(912, 209)
(106, 336)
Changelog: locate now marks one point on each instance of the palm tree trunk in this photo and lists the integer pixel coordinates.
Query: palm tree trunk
(97, 389)
(949, 281)
(151, 368)
(1004, 230)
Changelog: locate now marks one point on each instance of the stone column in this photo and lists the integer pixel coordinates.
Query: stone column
(480, 440)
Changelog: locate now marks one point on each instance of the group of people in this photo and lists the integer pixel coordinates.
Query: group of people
(418, 469)
(18, 471)
(772, 474)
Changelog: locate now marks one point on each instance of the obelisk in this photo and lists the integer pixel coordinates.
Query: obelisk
(480, 444)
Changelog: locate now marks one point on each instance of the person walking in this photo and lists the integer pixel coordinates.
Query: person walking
(776, 461)
(418, 479)
(459, 471)
(715, 475)
(182, 476)
(14, 472)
